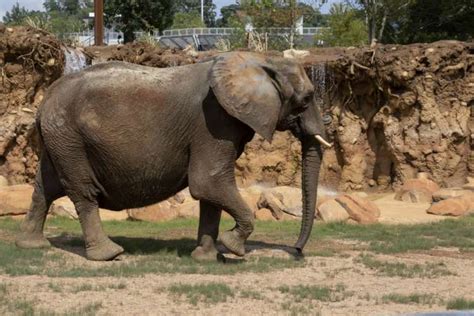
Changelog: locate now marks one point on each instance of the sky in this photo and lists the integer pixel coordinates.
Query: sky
(6, 5)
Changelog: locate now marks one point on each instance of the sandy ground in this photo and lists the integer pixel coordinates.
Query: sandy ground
(363, 294)
(365, 289)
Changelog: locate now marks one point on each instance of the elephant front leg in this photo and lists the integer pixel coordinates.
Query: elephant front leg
(209, 219)
(99, 247)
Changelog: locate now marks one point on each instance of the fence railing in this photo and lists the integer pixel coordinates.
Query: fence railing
(86, 38)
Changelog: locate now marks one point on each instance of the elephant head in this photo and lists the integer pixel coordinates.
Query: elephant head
(268, 94)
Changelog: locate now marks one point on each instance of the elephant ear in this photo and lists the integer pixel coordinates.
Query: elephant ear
(246, 88)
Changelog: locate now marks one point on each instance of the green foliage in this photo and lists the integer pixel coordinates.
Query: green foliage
(148, 39)
(345, 27)
(130, 16)
(460, 304)
(18, 15)
(184, 20)
(192, 6)
(318, 293)
(228, 14)
(414, 298)
(400, 269)
(61, 16)
(204, 292)
(428, 21)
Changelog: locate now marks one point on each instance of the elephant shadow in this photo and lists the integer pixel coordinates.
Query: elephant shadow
(182, 247)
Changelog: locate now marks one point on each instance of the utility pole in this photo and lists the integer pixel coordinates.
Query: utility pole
(99, 22)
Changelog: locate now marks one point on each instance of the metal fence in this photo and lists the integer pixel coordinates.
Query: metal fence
(170, 37)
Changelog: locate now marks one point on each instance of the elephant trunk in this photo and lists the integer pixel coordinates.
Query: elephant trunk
(312, 155)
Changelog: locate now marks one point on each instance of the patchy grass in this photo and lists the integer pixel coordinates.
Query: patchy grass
(202, 293)
(298, 309)
(86, 287)
(460, 304)
(87, 310)
(414, 298)
(55, 287)
(319, 293)
(251, 294)
(400, 269)
(3, 289)
(165, 247)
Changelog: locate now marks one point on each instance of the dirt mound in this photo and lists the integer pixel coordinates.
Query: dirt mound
(30, 60)
(148, 55)
(399, 110)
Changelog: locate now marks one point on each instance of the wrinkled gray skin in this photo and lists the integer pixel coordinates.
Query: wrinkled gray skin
(120, 135)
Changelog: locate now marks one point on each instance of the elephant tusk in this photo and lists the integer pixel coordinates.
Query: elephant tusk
(322, 141)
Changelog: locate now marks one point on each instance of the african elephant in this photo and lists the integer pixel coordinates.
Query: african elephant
(120, 135)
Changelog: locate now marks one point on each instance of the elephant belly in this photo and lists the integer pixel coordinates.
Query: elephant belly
(141, 183)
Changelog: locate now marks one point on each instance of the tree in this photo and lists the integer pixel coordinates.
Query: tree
(189, 6)
(378, 13)
(17, 15)
(133, 15)
(187, 20)
(277, 13)
(345, 27)
(227, 13)
(428, 21)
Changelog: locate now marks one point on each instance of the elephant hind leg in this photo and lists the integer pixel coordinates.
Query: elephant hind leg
(209, 219)
(99, 247)
(47, 188)
(83, 189)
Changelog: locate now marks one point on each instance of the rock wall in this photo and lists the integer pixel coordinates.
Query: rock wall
(30, 60)
(400, 110)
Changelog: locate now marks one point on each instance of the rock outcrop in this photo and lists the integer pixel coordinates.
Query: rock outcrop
(30, 60)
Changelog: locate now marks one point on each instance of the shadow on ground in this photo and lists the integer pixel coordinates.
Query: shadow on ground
(149, 246)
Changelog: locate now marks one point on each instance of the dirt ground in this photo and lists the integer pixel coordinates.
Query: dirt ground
(339, 276)
(142, 295)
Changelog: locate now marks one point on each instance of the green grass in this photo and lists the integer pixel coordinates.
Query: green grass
(18, 306)
(318, 293)
(55, 287)
(400, 269)
(460, 304)
(251, 294)
(86, 287)
(414, 298)
(210, 293)
(165, 247)
(87, 310)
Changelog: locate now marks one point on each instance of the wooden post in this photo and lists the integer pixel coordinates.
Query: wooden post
(99, 22)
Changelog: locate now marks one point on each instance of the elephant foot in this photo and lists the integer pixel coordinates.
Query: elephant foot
(103, 251)
(32, 241)
(233, 242)
(206, 251)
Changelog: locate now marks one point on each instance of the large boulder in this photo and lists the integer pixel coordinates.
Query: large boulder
(331, 211)
(65, 208)
(448, 193)
(419, 190)
(359, 209)
(189, 209)
(159, 212)
(3, 181)
(264, 214)
(282, 199)
(470, 184)
(251, 196)
(456, 206)
(15, 199)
